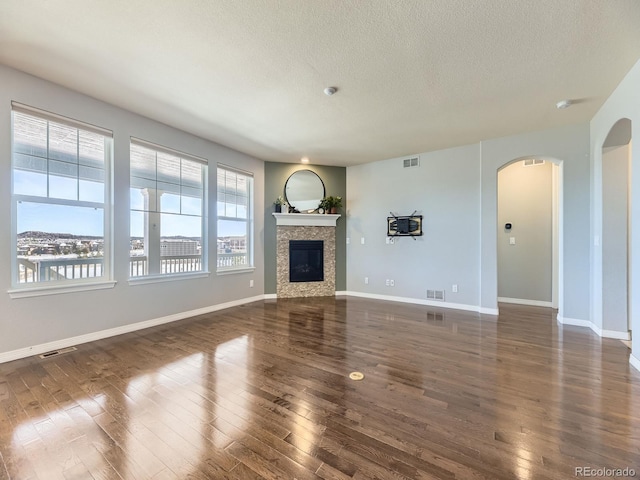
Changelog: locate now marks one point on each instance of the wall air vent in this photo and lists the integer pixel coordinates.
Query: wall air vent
(411, 162)
(435, 295)
(55, 353)
(532, 162)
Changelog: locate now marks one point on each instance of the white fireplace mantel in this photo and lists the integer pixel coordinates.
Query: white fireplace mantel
(306, 219)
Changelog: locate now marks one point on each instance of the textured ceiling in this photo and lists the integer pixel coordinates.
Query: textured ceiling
(413, 75)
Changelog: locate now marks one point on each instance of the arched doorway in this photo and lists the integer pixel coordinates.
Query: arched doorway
(616, 176)
(529, 232)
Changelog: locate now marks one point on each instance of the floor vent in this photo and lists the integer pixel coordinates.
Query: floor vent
(435, 316)
(435, 294)
(411, 162)
(55, 353)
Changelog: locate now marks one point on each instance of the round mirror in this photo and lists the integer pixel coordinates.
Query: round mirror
(304, 190)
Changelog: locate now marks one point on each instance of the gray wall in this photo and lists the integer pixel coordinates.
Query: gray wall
(275, 175)
(624, 103)
(615, 178)
(445, 189)
(26, 322)
(569, 147)
(456, 191)
(525, 201)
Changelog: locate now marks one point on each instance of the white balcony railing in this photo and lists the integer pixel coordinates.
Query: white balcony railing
(32, 270)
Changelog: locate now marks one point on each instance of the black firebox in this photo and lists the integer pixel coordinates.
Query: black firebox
(306, 261)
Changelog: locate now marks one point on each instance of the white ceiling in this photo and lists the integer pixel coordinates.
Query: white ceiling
(413, 75)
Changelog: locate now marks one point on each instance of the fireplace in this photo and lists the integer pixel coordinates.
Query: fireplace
(316, 263)
(306, 261)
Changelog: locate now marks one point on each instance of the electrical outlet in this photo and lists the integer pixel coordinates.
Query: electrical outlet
(454, 288)
(392, 283)
(361, 240)
(366, 280)
(386, 282)
(250, 283)
(348, 240)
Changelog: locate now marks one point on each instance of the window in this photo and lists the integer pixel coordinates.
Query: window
(60, 198)
(235, 215)
(168, 211)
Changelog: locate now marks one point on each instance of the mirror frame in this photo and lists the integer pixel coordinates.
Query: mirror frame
(292, 204)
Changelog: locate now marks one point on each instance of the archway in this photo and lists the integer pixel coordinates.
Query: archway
(616, 167)
(529, 232)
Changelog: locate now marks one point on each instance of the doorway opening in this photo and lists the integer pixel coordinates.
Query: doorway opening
(616, 197)
(529, 232)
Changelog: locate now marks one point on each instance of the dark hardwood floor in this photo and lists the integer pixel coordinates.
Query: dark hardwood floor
(262, 391)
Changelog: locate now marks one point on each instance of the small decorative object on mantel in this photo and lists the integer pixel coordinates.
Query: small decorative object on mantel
(330, 204)
(278, 203)
(404, 226)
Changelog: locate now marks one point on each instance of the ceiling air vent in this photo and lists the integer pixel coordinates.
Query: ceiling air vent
(532, 162)
(411, 162)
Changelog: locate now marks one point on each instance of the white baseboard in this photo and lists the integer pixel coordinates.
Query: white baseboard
(112, 332)
(597, 330)
(420, 301)
(489, 311)
(524, 301)
(576, 322)
(634, 362)
(613, 334)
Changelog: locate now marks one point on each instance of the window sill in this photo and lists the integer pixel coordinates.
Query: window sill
(166, 278)
(231, 271)
(59, 289)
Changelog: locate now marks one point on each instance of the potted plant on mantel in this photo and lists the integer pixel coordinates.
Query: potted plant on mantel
(278, 203)
(331, 204)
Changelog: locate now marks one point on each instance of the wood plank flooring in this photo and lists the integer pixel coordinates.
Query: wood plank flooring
(262, 391)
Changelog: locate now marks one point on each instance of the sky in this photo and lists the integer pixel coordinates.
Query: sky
(75, 220)
(181, 214)
(65, 166)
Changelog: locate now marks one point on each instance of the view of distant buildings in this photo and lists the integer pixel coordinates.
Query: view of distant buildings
(34, 244)
(30, 244)
(45, 256)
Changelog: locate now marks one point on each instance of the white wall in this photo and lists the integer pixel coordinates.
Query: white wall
(26, 322)
(525, 201)
(445, 188)
(615, 178)
(569, 147)
(624, 102)
(456, 191)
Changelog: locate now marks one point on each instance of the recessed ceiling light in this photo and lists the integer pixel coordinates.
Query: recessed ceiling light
(562, 104)
(304, 159)
(330, 91)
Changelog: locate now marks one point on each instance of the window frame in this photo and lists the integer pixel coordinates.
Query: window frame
(51, 287)
(249, 222)
(163, 277)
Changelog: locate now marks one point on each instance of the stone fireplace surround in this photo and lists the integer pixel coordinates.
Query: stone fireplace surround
(301, 226)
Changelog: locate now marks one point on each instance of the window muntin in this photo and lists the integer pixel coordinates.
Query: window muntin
(234, 207)
(168, 199)
(60, 175)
